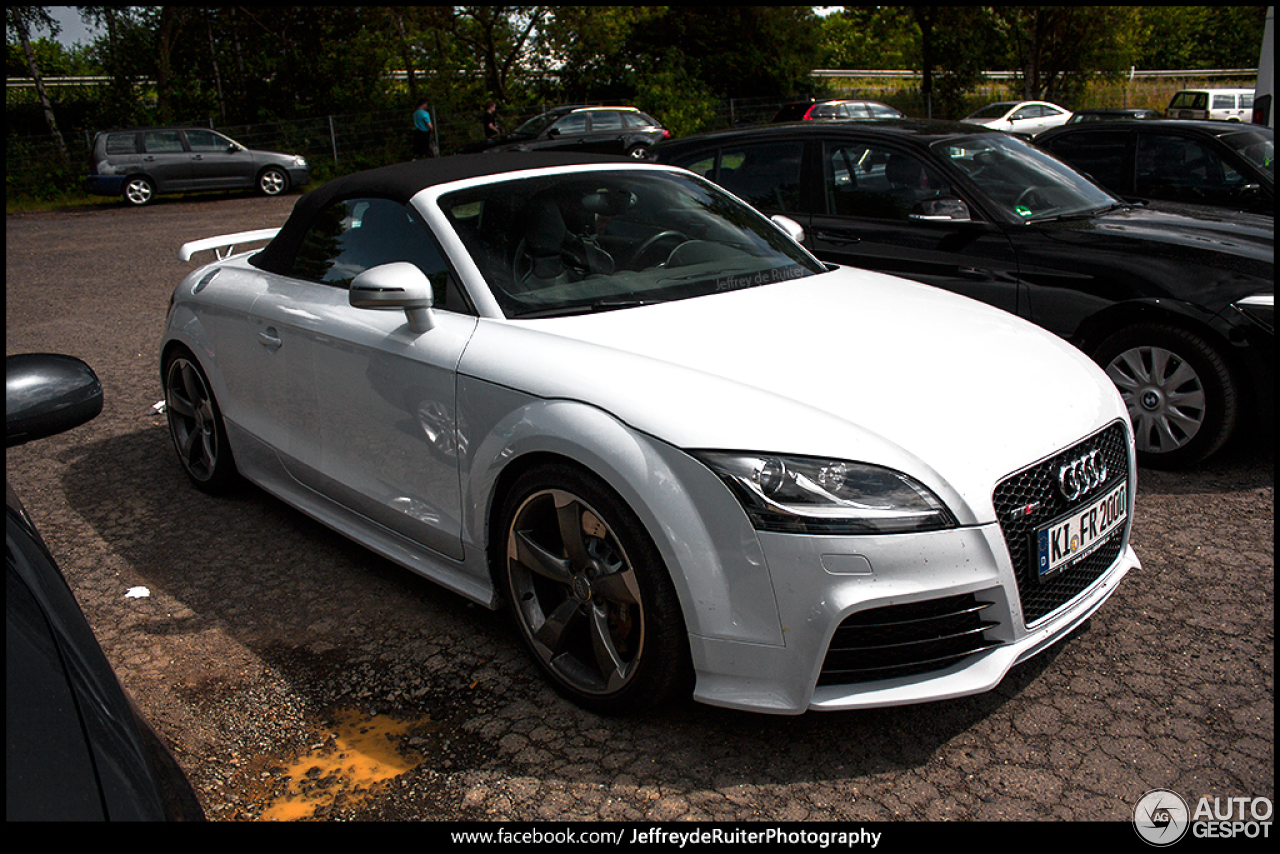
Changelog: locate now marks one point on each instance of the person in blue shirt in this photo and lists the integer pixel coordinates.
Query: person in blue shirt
(424, 144)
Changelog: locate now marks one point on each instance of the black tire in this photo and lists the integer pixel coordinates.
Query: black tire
(589, 592)
(196, 426)
(139, 190)
(1179, 390)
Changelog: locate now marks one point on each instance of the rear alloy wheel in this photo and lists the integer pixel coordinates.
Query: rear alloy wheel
(139, 191)
(196, 426)
(1179, 391)
(590, 592)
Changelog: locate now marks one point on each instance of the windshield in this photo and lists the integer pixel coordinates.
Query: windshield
(1258, 146)
(993, 111)
(598, 240)
(1022, 180)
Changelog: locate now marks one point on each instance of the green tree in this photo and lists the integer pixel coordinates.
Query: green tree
(20, 23)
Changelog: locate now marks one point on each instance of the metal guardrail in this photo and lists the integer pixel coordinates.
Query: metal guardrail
(1134, 74)
(825, 73)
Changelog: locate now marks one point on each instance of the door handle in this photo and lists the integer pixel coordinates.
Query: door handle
(270, 339)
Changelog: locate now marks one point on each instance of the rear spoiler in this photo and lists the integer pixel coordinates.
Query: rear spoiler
(226, 241)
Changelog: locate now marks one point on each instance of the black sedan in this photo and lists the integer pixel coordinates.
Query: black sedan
(1218, 164)
(1179, 309)
(75, 747)
(582, 130)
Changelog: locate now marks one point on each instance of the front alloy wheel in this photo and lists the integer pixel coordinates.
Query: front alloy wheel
(273, 182)
(1180, 394)
(196, 426)
(590, 593)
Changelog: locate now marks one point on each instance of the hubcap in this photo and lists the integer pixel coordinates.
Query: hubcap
(189, 407)
(575, 592)
(1164, 395)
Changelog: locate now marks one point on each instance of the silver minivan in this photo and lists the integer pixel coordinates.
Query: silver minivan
(1228, 105)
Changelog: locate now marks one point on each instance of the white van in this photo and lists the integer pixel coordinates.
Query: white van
(1230, 105)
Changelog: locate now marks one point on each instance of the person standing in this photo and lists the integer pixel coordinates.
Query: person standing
(424, 143)
(489, 122)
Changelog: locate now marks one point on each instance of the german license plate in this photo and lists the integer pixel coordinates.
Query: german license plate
(1070, 538)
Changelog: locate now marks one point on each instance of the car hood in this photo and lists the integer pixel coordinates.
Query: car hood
(849, 364)
(1243, 235)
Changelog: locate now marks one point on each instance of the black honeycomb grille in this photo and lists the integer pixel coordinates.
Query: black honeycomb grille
(1031, 498)
(905, 640)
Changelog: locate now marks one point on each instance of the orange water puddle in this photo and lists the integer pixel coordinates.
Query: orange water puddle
(363, 752)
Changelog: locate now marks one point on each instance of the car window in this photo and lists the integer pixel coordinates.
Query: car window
(122, 143)
(1255, 144)
(766, 175)
(352, 236)
(876, 182)
(1181, 168)
(604, 240)
(574, 123)
(881, 111)
(637, 120)
(1224, 102)
(162, 141)
(605, 121)
(1099, 154)
(207, 140)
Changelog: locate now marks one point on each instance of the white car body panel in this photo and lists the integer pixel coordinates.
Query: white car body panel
(400, 440)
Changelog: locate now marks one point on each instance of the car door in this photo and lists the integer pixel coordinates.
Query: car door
(217, 162)
(886, 208)
(604, 133)
(166, 160)
(374, 428)
(567, 134)
(1179, 167)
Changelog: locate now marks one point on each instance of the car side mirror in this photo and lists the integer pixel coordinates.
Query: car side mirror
(396, 285)
(789, 227)
(46, 394)
(940, 210)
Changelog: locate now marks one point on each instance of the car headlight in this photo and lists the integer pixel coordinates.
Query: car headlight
(1261, 308)
(300, 162)
(791, 494)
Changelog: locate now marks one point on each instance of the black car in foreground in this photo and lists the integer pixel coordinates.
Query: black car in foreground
(76, 748)
(1217, 164)
(1178, 309)
(582, 130)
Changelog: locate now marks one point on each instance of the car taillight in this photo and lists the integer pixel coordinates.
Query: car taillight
(666, 134)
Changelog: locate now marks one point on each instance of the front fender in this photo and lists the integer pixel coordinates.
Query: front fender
(706, 540)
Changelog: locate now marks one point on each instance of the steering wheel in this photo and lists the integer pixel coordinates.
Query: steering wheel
(649, 244)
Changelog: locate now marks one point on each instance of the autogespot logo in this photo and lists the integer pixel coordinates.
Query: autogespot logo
(1161, 817)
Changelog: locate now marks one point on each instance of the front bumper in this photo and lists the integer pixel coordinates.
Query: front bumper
(949, 612)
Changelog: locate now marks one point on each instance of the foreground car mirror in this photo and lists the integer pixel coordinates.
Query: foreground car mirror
(790, 227)
(396, 285)
(940, 210)
(46, 394)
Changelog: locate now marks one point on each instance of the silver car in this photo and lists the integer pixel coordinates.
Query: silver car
(687, 456)
(139, 164)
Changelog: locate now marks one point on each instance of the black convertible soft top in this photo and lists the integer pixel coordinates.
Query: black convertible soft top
(401, 182)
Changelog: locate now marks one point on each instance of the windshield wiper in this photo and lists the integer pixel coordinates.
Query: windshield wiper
(1089, 214)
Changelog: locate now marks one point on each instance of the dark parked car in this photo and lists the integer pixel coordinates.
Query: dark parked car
(835, 109)
(582, 130)
(75, 747)
(1179, 309)
(139, 164)
(1220, 164)
(1112, 115)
